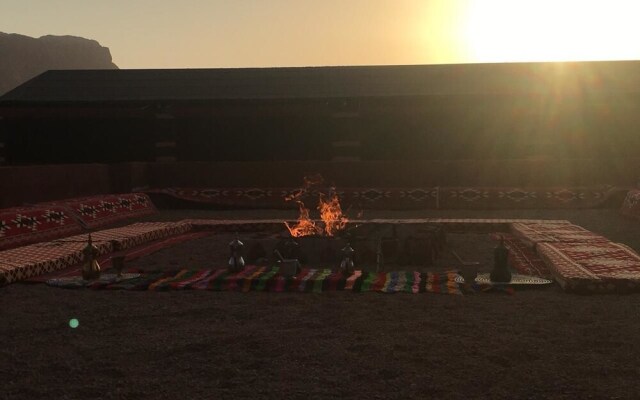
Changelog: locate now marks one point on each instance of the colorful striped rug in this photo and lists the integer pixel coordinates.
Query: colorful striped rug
(268, 279)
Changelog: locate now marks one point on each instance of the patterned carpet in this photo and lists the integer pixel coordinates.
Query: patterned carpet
(41, 258)
(254, 278)
(408, 198)
(98, 211)
(580, 260)
(130, 254)
(550, 232)
(21, 226)
(592, 267)
(523, 258)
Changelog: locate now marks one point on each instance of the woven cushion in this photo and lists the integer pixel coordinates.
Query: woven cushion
(20, 226)
(28, 261)
(97, 211)
(135, 234)
(523, 258)
(592, 267)
(534, 233)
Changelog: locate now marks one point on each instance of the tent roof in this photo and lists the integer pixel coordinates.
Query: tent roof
(327, 82)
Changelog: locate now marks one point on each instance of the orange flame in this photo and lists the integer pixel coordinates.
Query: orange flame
(331, 213)
(328, 206)
(305, 226)
(309, 182)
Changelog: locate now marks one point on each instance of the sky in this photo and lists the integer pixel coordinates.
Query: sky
(260, 33)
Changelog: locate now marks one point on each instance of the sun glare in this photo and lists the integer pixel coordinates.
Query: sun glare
(552, 30)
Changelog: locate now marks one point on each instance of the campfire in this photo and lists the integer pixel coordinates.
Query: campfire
(324, 238)
(331, 220)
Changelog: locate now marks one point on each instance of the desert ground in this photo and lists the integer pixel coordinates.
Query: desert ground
(537, 343)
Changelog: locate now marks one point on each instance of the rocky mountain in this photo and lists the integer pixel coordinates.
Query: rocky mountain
(23, 57)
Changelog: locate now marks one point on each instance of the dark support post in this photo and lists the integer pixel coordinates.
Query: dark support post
(346, 146)
(165, 142)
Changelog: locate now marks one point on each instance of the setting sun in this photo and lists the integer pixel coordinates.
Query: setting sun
(548, 30)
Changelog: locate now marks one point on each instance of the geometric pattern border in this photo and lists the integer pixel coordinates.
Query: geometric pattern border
(534, 233)
(592, 267)
(98, 211)
(22, 226)
(435, 197)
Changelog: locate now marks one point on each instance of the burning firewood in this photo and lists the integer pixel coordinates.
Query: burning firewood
(333, 220)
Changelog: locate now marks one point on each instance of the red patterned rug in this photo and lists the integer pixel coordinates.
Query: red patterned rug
(97, 211)
(28, 261)
(592, 267)
(129, 254)
(254, 278)
(27, 225)
(139, 233)
(534, 233)
(407, 198)
(522, 258)
(41, 258)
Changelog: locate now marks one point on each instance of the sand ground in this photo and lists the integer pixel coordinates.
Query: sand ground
(538, 343)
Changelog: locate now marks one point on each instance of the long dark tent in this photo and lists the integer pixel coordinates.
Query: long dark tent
(418, 112)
